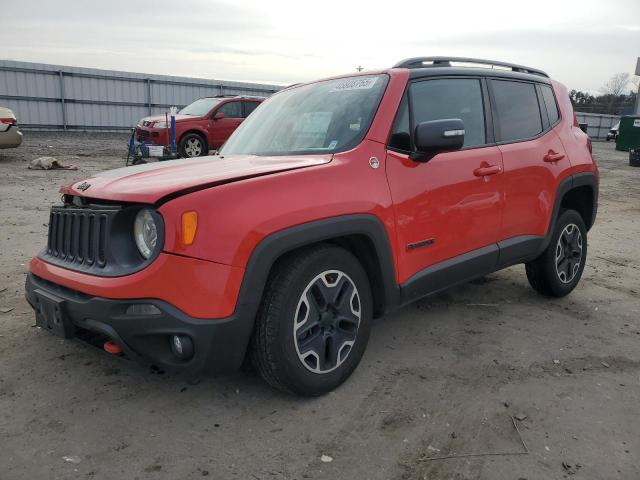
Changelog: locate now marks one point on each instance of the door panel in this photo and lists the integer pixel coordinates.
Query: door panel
(442, 208)
(530, 184)
(532, 159)
(224, 127)
(451, 204)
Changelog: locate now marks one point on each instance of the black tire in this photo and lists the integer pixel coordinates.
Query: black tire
(192, 145)
(274, 347)
(555, 273)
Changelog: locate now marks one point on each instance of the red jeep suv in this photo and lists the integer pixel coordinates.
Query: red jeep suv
(335, 202)
(201, 126)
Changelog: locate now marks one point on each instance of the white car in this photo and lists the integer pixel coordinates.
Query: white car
(613, 133)
(10, 134)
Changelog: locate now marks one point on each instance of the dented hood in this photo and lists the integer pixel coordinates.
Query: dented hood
(151, 182)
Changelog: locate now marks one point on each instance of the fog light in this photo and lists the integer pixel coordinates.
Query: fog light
(142, 309)
(181, 346)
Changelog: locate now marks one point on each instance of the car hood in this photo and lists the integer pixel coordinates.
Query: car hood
(162, 118)
(151, 182)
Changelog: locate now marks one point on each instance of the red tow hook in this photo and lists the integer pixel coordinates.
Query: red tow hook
(112, 347)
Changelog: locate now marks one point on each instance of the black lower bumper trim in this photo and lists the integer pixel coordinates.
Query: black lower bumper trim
(219, 345)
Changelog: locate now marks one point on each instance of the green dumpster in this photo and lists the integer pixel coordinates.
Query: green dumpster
(629, 133)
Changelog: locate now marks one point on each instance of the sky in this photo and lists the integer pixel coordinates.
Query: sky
(580, 43)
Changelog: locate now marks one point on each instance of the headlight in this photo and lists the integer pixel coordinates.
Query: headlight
(145, 231)
(160, 125)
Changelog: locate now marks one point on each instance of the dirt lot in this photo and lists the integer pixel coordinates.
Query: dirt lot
(440, 378)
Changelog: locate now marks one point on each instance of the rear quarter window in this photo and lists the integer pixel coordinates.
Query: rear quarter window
(518, 110)
(550, 104)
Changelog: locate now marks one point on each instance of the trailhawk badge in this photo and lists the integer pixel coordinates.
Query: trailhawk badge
(83, 186)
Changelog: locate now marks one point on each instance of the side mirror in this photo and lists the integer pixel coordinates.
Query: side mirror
(219, 116)
(438, 136)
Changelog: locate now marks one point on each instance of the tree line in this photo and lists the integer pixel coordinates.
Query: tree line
(615, 97)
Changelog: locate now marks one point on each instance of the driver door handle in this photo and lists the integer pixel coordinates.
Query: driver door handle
(487, 170)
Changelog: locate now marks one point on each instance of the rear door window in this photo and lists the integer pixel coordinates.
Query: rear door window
(451, 98)
(550, 103)
(518, 111)
(231, 109)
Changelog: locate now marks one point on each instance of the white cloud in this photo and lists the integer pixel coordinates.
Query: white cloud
(581, 43)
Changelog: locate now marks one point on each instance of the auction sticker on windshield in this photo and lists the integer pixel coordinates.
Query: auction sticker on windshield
(355, 84)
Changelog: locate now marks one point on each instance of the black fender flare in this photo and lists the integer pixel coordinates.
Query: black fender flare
(277, 244)
(576, 180)
(272, 247)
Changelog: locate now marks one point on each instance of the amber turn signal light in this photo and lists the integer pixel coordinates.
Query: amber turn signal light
(189, 227)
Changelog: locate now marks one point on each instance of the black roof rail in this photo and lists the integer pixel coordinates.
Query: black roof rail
(237, 96)
(419, 62)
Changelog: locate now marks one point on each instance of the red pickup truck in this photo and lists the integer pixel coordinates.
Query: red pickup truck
(335, 202)
(201, 126)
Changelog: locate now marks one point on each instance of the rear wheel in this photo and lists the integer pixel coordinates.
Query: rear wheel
(314, 321)
(557, 271)
(192, 145)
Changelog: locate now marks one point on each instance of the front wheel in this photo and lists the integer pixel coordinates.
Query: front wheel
(192, 145)
(314, 321)
(557, 271)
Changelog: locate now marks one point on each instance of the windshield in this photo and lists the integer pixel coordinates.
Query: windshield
(323, 117)
(200, 107)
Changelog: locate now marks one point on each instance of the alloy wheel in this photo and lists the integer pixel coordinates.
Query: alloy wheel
(326, 321)
(569, 253)
(193, 147)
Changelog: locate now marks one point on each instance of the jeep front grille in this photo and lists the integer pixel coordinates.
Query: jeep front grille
(96, 237)
(79, 236)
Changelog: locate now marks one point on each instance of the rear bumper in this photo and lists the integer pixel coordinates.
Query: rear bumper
(219, 345)
(11, 138)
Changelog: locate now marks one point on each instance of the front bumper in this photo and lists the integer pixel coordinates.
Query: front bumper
(219, 345)
(157, 136)
(11, 138)
(199, 288)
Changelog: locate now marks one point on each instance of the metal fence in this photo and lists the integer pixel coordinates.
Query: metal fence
(599, 124)
(53, 97)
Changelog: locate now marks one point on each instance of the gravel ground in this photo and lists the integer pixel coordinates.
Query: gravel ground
(442, 377)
